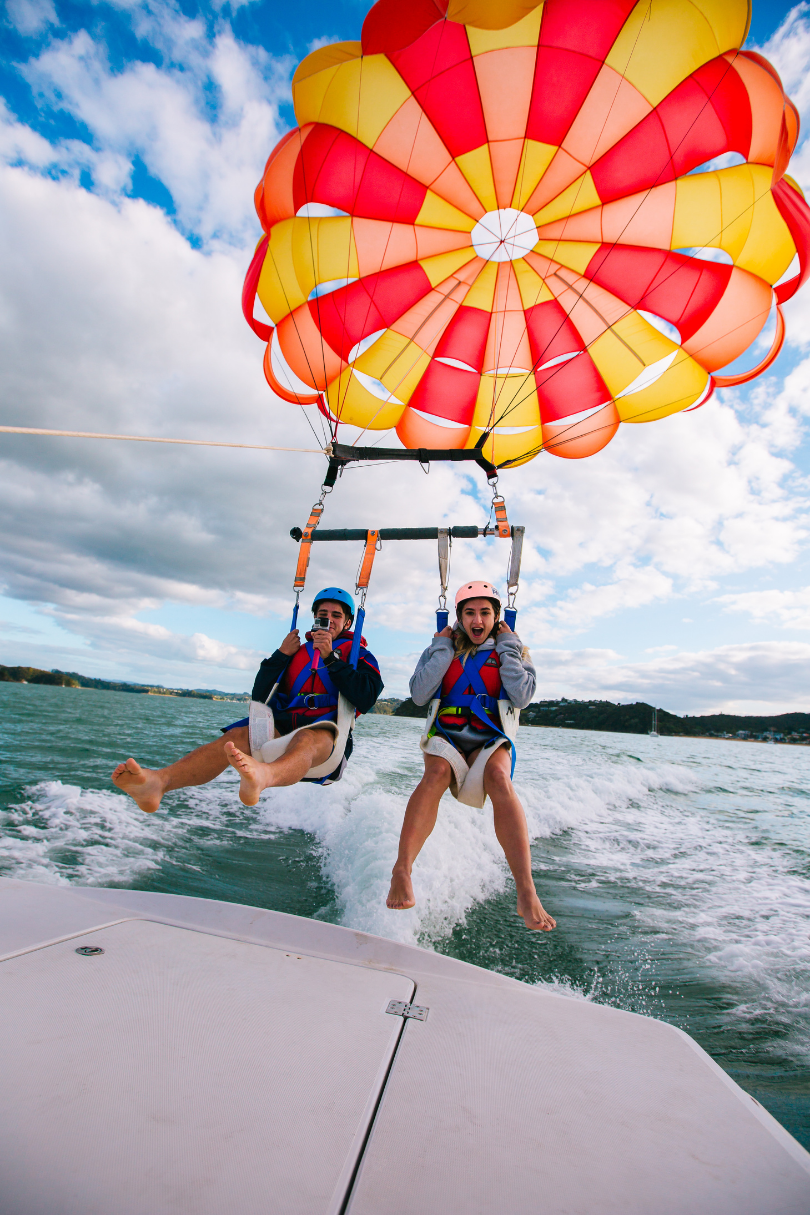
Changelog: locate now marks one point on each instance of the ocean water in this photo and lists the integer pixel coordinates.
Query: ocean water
(678, 869)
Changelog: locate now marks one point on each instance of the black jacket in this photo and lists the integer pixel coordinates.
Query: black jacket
(361, 687)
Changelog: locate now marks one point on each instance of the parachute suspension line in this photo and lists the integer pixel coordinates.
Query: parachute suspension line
(445, 543)
(496, 391)
(356, 179)
(291, 315)
(776, 347)
(494, 421)
(305, 551)
(410, 342)
(373, 543)
(615, 242)
(388, 241)
(314, 267)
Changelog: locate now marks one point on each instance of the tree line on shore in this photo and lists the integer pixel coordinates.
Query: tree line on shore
(638, 719)
(561, 714)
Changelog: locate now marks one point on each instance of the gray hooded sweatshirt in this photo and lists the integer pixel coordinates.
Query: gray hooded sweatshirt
(518, 675)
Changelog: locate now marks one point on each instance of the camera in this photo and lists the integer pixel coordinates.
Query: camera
(320, 622)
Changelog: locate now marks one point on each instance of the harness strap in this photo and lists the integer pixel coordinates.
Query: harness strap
(305, 549)
(363, 579)
(294, 699)
(478, 699)
(471, 678)
(492, 726)
(501, 521)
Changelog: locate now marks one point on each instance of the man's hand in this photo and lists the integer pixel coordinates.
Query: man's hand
(291, 644)
(446, 632)
(322, 641)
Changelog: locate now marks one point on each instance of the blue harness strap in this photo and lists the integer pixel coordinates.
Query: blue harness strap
(477, 699)
(293, 699)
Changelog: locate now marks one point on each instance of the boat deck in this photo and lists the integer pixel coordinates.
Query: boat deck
(219, 1057)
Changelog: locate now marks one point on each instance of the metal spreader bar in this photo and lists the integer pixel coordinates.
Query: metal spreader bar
(400, 533)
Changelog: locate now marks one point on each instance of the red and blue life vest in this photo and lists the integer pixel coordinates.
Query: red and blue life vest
(469, 696)
(308, 695)
(470, 692)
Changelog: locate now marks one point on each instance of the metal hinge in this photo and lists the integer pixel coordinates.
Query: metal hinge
(398, 1008)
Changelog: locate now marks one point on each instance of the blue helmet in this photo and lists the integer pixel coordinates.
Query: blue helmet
(337, 596)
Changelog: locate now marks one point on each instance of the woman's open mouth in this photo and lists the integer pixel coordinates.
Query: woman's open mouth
(477, 631)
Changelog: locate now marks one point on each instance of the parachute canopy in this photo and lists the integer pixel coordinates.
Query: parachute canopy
(513, 225)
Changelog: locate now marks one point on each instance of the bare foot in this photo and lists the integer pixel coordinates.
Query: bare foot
(400, 896)
(534, 915)
(143, 785)
(253, 774)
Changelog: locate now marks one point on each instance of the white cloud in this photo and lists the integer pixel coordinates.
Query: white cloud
(788, 609)
(203, 125)
(757, 677)
(31, 16)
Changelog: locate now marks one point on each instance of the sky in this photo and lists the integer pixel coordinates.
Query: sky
(673, 567)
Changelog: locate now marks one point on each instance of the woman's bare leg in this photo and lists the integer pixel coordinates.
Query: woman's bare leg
(513, 836)
(307, 750)
(146, 786)
(420, 819)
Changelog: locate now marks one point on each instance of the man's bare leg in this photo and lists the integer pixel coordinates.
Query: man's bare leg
(307, 750)
(146, 786)
(513, 836)
(420, 819)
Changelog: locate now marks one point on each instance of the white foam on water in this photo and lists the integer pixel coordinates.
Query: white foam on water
(357, 824)
(64, 834)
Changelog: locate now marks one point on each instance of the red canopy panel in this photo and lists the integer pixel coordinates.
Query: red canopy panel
(683, 290)
(465, 337)
(562, 81)
(551, 333)
(796, 214)
(346, 316)
(447, 392)
(587, 26)
(690, 126)
(391, 24)
(339, 171)
(438, 69)
(570, 387)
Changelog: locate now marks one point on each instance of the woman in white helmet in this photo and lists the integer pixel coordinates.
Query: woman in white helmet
(477, 676)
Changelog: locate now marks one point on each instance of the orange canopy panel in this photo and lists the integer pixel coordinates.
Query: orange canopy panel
(515, 225)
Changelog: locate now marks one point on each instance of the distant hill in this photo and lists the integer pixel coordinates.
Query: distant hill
(35, 675)
(408, 709)
(72, 679)
(388, 706)
(637, 719)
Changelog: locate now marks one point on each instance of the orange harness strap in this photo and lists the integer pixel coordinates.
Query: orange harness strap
(305, 551)
(364, 574)
(504, 530)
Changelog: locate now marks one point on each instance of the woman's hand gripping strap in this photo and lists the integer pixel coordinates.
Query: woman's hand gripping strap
(363, 579)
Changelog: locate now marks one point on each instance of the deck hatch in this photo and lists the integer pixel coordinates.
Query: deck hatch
(183, 1073)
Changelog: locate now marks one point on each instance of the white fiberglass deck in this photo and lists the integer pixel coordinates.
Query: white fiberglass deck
(218, 1057)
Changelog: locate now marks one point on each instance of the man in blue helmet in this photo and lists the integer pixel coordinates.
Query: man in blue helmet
(303, 683)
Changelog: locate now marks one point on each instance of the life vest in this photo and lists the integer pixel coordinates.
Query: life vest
(309, 695)
(470, 693)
